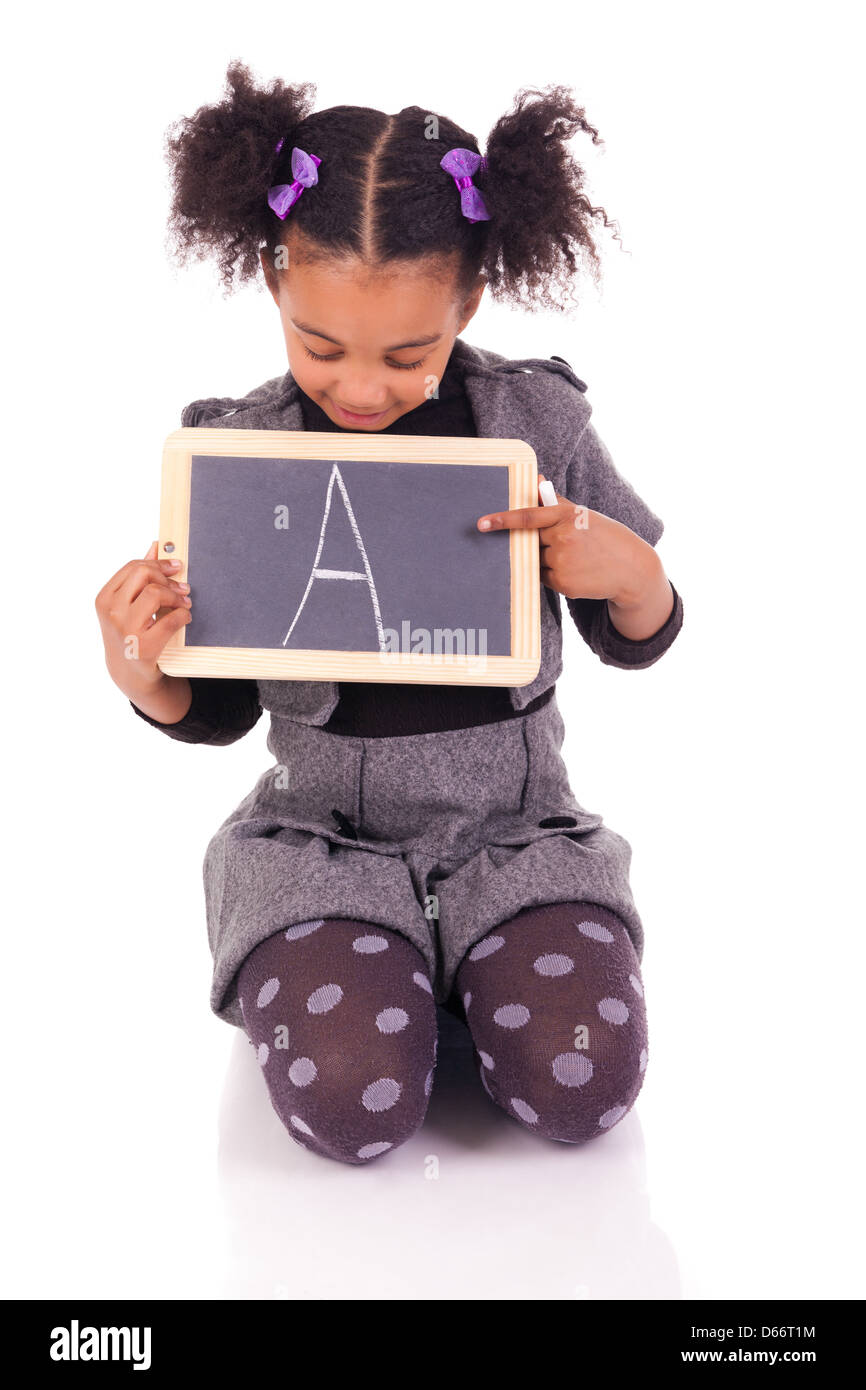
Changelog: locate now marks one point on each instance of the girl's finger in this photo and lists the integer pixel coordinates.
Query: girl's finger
(123, 581)
(141, 572)
(531, 518)
(527, 518)
(157, 631)
(152, 598)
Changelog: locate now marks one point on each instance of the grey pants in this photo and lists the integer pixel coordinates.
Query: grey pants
(439, 836)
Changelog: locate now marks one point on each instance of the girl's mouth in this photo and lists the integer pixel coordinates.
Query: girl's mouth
(352, 418)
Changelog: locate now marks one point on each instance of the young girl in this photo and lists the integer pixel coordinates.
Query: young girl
(414, 844)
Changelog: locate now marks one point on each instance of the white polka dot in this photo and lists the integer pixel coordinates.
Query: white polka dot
(611, 1116)
(636, 985)
(371, 1150)
(428, 1084)
(613, 1010)
(369, 946)
(467, 1000)
(572, 1068)
(324, 998)
(486, 947)
(512, 1015)
(304, 929)
(422, 981)
(267, 992)
(595, 930)
(525, 1111)
(381, 1094)
(302, 1071)
(553, 964)
(392, 1020)
(301, 1125)
(486, 1060)
(241, 1002)
(486, 1087)
(262, 1053)
(643, 1059)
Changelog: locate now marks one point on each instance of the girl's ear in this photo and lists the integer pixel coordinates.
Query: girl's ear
(470, 305)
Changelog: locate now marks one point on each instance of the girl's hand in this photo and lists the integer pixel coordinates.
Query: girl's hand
(138, 610)
(585, 554)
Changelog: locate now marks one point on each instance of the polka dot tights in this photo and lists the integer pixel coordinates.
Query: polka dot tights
(342, 1018)
(554, 1001)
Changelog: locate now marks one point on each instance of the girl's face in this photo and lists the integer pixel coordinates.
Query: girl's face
(368, 348)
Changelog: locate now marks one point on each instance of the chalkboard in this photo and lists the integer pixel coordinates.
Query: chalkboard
(350, 556)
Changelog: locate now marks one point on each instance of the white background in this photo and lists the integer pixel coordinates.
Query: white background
(724, 366)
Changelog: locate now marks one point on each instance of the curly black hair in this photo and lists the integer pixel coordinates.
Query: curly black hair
(381, 194)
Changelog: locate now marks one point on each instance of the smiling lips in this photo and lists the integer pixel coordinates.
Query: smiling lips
(361, 415)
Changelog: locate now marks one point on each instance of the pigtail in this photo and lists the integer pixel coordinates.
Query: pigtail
(222, 161)
(541, 219)
(382, 195)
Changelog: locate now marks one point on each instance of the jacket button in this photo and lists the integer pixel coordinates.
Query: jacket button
(344, 825)
(581, 385)
(552, 822)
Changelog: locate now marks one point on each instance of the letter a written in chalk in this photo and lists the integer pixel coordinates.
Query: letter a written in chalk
(364, 574)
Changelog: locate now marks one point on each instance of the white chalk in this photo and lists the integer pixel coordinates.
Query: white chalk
(547, 492)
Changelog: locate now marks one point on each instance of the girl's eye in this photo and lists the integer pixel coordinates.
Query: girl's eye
(402, 366)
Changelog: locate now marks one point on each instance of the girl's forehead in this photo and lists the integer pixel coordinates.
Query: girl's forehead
(313, 295)
(427, 276)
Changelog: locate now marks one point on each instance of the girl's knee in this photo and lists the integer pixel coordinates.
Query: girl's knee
(345, 1035)
(555, 1005)
(597, 1111)
(567, 1097)
(343, 1108)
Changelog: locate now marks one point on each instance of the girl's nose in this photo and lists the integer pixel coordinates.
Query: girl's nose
(362, 394)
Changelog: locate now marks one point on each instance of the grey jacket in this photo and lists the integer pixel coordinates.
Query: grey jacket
(551, 413)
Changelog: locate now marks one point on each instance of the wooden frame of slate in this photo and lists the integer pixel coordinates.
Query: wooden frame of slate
(259, 517)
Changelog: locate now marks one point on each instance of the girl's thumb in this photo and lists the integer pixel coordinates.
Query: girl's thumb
(151, 554)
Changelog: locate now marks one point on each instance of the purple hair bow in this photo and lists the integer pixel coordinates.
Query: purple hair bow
(283, 196)
(461, 165)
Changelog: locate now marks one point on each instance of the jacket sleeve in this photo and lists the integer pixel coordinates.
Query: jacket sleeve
(222, 711)
(593, 480)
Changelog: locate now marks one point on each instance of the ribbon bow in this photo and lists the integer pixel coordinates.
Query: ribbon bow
(461, 165)
(283, 196)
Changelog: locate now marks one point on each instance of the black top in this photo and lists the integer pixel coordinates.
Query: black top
(223, 708)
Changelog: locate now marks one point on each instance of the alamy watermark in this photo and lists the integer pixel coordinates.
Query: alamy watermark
(76, 1343)
(443, 644)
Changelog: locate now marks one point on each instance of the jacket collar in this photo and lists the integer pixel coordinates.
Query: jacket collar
(537, 399)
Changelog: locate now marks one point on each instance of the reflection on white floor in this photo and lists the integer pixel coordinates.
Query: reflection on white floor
(473, 1206)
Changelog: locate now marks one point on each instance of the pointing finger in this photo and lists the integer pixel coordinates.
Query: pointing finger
(528, 518)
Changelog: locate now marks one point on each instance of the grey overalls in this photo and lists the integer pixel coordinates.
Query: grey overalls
(439, 836)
